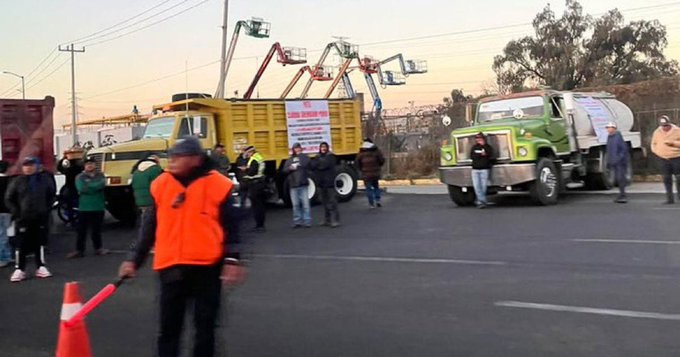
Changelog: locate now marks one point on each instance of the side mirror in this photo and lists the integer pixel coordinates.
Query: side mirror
(446, 120)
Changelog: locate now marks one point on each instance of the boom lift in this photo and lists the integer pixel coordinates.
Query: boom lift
(393, 78)
(285, 55)
(255, 27)
(318, 74)
(345, 50)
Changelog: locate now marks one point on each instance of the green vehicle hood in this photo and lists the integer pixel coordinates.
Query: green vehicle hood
(529, 125)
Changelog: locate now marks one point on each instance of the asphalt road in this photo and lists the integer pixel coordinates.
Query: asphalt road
(418, 277)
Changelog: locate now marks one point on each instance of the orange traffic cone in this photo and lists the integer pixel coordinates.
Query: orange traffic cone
(73, 341)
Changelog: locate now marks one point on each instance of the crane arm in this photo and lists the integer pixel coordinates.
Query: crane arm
(338, 78)
(275, 48)
(292, 83)
(219, 93)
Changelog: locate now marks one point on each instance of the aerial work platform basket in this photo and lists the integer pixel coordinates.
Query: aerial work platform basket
(416, 66)
(259, 28)
(293, 55)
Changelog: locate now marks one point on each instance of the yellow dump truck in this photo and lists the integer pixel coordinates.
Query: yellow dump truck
(234, 123)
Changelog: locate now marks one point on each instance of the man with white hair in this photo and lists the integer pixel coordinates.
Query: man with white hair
(617, 159)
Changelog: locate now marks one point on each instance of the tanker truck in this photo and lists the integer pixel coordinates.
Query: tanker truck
(545, 140)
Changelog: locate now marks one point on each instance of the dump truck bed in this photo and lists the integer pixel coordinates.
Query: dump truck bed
(263, 123)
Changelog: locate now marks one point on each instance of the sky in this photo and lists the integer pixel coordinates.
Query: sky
(140, 52)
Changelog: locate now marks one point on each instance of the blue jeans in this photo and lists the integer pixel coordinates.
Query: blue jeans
(302, 214)
(372, 191)
(480, 180)
(5, 250)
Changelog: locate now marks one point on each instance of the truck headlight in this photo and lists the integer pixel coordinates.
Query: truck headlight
(448, 156)
(523, 151)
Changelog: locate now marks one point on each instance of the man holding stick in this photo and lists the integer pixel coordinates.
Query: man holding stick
(193, 226)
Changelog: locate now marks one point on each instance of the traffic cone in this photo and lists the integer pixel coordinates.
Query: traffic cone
(73, 341)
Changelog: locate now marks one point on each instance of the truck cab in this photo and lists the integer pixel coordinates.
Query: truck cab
(543, 140)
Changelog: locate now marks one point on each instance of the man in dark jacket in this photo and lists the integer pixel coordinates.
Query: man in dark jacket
(617, 159)
(29, 198)
(370, 161)
(256, 181)
(297, 168)
(71, 165)
(5, 218)
(91, 206)
(240, 172)
(221, 160)
(195, 234)
(324, 166)
(483, 156)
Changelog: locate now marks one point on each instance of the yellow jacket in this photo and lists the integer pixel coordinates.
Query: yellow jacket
(666, 145)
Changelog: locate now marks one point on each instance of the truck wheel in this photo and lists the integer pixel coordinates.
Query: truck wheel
(345, 182)
(546, 189)
(313, 193)
(460, 198)
(121, 205)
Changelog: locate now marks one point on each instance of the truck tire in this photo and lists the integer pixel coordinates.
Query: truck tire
(121, 205)
(460, 198)
(546, 189)
(345, 182)
(606, 179)
(313, 193)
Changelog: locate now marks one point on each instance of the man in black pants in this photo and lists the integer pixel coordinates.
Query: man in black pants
(256, 182)
(324, 166)
(29, 198)
(91, 204)
(193, 226)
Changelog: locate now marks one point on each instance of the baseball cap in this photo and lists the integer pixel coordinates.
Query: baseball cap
(297, 145)
(663, 120)
(611, 124)
(479, 135)
(186, 146)
(89, 159)
(29, 160)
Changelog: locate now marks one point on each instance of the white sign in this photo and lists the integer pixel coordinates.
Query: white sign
(309, 123)
(599, 116)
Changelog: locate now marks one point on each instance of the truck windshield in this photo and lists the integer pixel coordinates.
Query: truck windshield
(159, 128)
(532, 107)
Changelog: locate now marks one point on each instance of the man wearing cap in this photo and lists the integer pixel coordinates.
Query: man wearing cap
(195, 234)
(617, 159)
(29, 198)
(91, 206)
(221, 160)
(483, 156)
(297, 169)
(666, 146)
(255, 180)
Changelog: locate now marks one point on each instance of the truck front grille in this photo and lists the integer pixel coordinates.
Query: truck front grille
(499, 141)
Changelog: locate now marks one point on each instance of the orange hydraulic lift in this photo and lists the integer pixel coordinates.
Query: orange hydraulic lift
(285, 55)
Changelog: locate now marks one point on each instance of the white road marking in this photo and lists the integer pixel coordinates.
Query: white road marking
(382, 259)
(589, 310)
(628, 241)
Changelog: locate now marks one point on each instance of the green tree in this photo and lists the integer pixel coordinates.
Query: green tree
(577, 50)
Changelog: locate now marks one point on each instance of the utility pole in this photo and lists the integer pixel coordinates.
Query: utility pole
(73, 51)
(23, 86)
(223, 62)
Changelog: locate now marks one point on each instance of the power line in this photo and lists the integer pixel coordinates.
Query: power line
(50, 74)
(79, 40)
(143, 27)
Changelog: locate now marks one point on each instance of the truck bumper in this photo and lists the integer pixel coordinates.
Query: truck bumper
(501, 175)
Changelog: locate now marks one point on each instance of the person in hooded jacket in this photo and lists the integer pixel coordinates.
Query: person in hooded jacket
(146, 171)
(324, 166)
(370, 161)
(29, 198)
(617, 159)
(297, 168)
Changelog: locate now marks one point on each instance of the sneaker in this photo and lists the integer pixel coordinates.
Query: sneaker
(335, 225)
(102, 251)
(42, 272)
(371, 206)
(621, 200)
(378, 204)
(17, 276)
(296, 226)
(75, 255)
(324, 224)
(308, 225)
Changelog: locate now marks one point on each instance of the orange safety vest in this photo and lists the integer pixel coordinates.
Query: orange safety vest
(191, 233)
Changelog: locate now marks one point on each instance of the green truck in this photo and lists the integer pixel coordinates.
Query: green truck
(545, 141)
